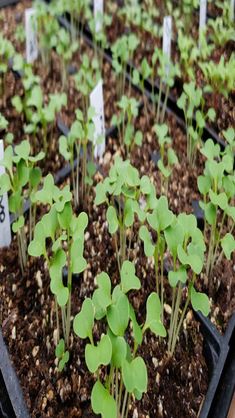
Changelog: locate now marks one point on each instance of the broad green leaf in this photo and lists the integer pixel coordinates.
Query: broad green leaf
(129, 280)
(17, 225)
(153, 316)
(112, 220)
(161, 217)
(100, 194)
(200, 301)
(84, 321)
(118, 315)
(145, 236)
(220, 199)
(228, 245)
(119, 349)
(98, 355)
(102, 402)
(135, 375)
(177, 276)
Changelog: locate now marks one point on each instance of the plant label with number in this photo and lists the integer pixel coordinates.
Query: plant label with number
(167, 36)
(97, 102)
(31, 35)
(5, 227)
(203, 12)
(98, 14)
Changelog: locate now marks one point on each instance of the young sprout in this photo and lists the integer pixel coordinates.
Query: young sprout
(124, 193)
(123, 51)
(43, 115)
(65, 50)
(75, 145)
(180, 238)
(125, 372)
(100, 37)
(59, 238)
(220, 77)
(21, 181)
(217, 186)
(125, 121)
(86, 79)
(47, 28)
(163, 65)
(189, 53)
(168, 157)
(140, 77)
(192, 102)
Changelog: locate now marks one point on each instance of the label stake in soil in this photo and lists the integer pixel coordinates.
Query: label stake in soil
(5, 229)
(167, 35)
(98, 14)
(202, 19)
(31, 36)
(97, 102)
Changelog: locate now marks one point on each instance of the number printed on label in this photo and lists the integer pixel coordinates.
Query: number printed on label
(5, 228)
(31, 36)
(97, 102)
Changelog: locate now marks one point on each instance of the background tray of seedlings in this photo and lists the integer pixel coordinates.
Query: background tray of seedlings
(110, 217)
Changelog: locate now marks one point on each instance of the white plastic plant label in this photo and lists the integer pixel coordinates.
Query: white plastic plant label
(97, 102)
(167, 36)
(31, 36)
(98, 14)
(203, 12)
(5, 227)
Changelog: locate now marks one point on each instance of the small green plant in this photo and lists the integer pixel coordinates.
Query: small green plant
(21, 181)
(75, 144)
(221, 34)
(43, 115)
(59, 238)
(100, 37)
(217, 187)
(125, 122)
(86, 79)
(29, 81)
(47, 27)
(192, 103)
(163, 67)
(220, 77)
(123, 51)
(189, 54)
(125, 194)
(180, 238)
(65, 50)
(168, 158)
(140, 76)
(125, 374)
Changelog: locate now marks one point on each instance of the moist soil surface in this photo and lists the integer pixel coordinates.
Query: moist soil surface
(177, 386)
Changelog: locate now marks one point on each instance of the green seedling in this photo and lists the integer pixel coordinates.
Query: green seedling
(221, 34)
(140, 77)
(180, 238)
(61, 354)
(123, 51)
(168, 158)
(65, 50)
(59, 238)
(217, 187)
(86, 79)
(124, 371)
(21, 181)
(125, 122)
(192, 103)
(126, 196)
(100, 37)
(43, 116)
(161, 64)
(47, 28)
(220, 77)
(75, 145)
